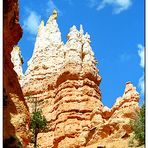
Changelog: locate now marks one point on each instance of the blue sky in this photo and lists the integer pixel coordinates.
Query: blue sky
(116, 28)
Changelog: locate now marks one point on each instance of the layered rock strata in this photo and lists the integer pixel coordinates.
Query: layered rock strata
(62, 80)
(116, 120)
(15, 111)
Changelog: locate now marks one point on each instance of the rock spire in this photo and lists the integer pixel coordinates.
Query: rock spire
(17, 60)
(64, 82)
(47, 43)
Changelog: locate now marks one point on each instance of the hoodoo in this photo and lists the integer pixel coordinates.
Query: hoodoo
(64, 82)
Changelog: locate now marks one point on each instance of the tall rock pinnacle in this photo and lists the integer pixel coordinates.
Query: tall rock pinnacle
(47, 43)
(63, 81)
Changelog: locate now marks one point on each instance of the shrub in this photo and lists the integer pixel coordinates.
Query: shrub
(138, 126)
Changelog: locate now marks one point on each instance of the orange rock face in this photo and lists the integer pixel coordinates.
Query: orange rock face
(116, 120)
(63, 81)
(15, 112)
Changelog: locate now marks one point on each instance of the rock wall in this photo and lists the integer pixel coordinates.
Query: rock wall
(15, 111)
(62, 80)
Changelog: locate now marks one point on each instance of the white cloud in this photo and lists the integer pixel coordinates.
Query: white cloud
(141, 79)
(50, 7)
(141, 84)
(32, 22)
(118, 5)
(141, 54)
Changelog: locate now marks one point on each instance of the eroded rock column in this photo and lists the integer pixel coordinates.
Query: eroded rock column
(63, 80)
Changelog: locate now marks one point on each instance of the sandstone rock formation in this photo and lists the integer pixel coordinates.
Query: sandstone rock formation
(15, 111)
(62, 80)
(116, 120)
(17, 60)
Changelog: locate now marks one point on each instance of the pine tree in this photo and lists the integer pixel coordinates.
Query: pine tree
(38, 123)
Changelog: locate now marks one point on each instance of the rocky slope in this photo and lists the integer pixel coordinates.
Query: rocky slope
(15, 111)
(62, 80)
